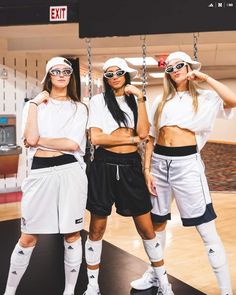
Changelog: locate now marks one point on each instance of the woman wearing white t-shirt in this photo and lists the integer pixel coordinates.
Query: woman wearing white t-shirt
(55, 192)
(181, 122)
(118, 121)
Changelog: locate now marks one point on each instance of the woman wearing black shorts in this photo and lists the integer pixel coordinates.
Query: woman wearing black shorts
(118, 121)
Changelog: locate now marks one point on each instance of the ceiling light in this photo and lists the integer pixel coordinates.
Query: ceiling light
(157, 75)
(138, 61)
(138, 83)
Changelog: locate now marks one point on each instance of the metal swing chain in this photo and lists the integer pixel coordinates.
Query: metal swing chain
(89, 55)
(144, 65)
(195, 48)
(144, 82)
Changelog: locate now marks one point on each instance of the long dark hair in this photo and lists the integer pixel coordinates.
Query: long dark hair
(110, 100)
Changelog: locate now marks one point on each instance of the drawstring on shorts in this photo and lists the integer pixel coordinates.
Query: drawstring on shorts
(168, 169)
(117, 172)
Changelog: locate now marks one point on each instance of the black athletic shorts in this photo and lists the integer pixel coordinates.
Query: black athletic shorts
(117, 178)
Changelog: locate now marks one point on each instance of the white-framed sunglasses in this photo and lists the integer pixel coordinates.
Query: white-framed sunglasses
(176, 67)
(118, 73)
(58, 72)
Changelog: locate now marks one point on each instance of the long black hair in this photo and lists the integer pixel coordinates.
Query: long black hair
(110, 100)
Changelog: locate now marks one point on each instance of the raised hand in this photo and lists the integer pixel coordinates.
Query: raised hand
(131, 89)
(197, 76)
(41, 97)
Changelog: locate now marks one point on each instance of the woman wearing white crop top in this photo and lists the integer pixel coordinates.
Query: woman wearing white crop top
(118, 121)
(181, 122)
(55, 192)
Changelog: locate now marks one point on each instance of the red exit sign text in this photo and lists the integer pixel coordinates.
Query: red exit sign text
(58, 13)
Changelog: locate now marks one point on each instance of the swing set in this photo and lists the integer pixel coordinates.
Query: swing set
(141, 147)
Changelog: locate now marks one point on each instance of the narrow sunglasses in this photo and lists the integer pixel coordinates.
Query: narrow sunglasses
(118, 73)
(64, 72)
(176, 67)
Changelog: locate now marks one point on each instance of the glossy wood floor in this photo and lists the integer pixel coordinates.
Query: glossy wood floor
(185, 256)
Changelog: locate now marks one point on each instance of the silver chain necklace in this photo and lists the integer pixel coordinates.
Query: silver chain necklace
(180, 96)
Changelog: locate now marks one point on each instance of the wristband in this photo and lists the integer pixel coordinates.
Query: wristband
(132, 139)
(143, 99)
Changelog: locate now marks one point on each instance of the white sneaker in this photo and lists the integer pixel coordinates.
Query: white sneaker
(165, 290)
(147, 281)
(92, 290)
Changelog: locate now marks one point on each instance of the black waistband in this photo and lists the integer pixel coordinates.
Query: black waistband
(106, 156)
(175, 151)
(45, 162)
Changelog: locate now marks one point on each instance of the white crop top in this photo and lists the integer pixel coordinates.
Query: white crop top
(179, 112)
(100, 116)
(60, 119)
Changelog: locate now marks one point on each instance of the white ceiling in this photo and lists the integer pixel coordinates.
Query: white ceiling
(217, 50)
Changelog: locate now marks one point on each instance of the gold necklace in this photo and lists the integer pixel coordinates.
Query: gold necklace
(61, 96)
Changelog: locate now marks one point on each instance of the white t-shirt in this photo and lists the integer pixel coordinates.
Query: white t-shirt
(100, 116)
(180, 112)
(60, 119)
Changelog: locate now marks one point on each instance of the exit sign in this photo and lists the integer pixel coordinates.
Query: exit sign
(58, 13)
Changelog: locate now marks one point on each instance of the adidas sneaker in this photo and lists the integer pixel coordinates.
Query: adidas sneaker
(165, 290)
(147, 281)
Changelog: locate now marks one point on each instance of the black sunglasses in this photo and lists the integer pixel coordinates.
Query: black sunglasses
(118, 73)
(177, 67)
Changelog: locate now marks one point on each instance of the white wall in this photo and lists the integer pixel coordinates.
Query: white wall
(24, 74)
(224, 130)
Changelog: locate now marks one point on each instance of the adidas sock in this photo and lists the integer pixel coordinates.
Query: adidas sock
(72, 261)
(161, 238)
(161, 275)
(19, 262)
(93, 276)
(10, 290)
(216, 255)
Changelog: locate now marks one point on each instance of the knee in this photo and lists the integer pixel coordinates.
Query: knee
(71, 238)
(158, 227)
(147, 234)
(27, 241)
(96, 233)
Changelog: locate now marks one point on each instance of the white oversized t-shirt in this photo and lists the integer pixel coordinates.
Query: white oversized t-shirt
(180, 112)
(60, 119)
(100, 116)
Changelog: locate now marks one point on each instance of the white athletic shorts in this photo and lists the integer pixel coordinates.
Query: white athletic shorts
(54, 200)
(182, 177)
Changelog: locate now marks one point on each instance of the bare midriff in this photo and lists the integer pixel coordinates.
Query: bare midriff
(126, 148)
(176, 136)
(47, 154)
